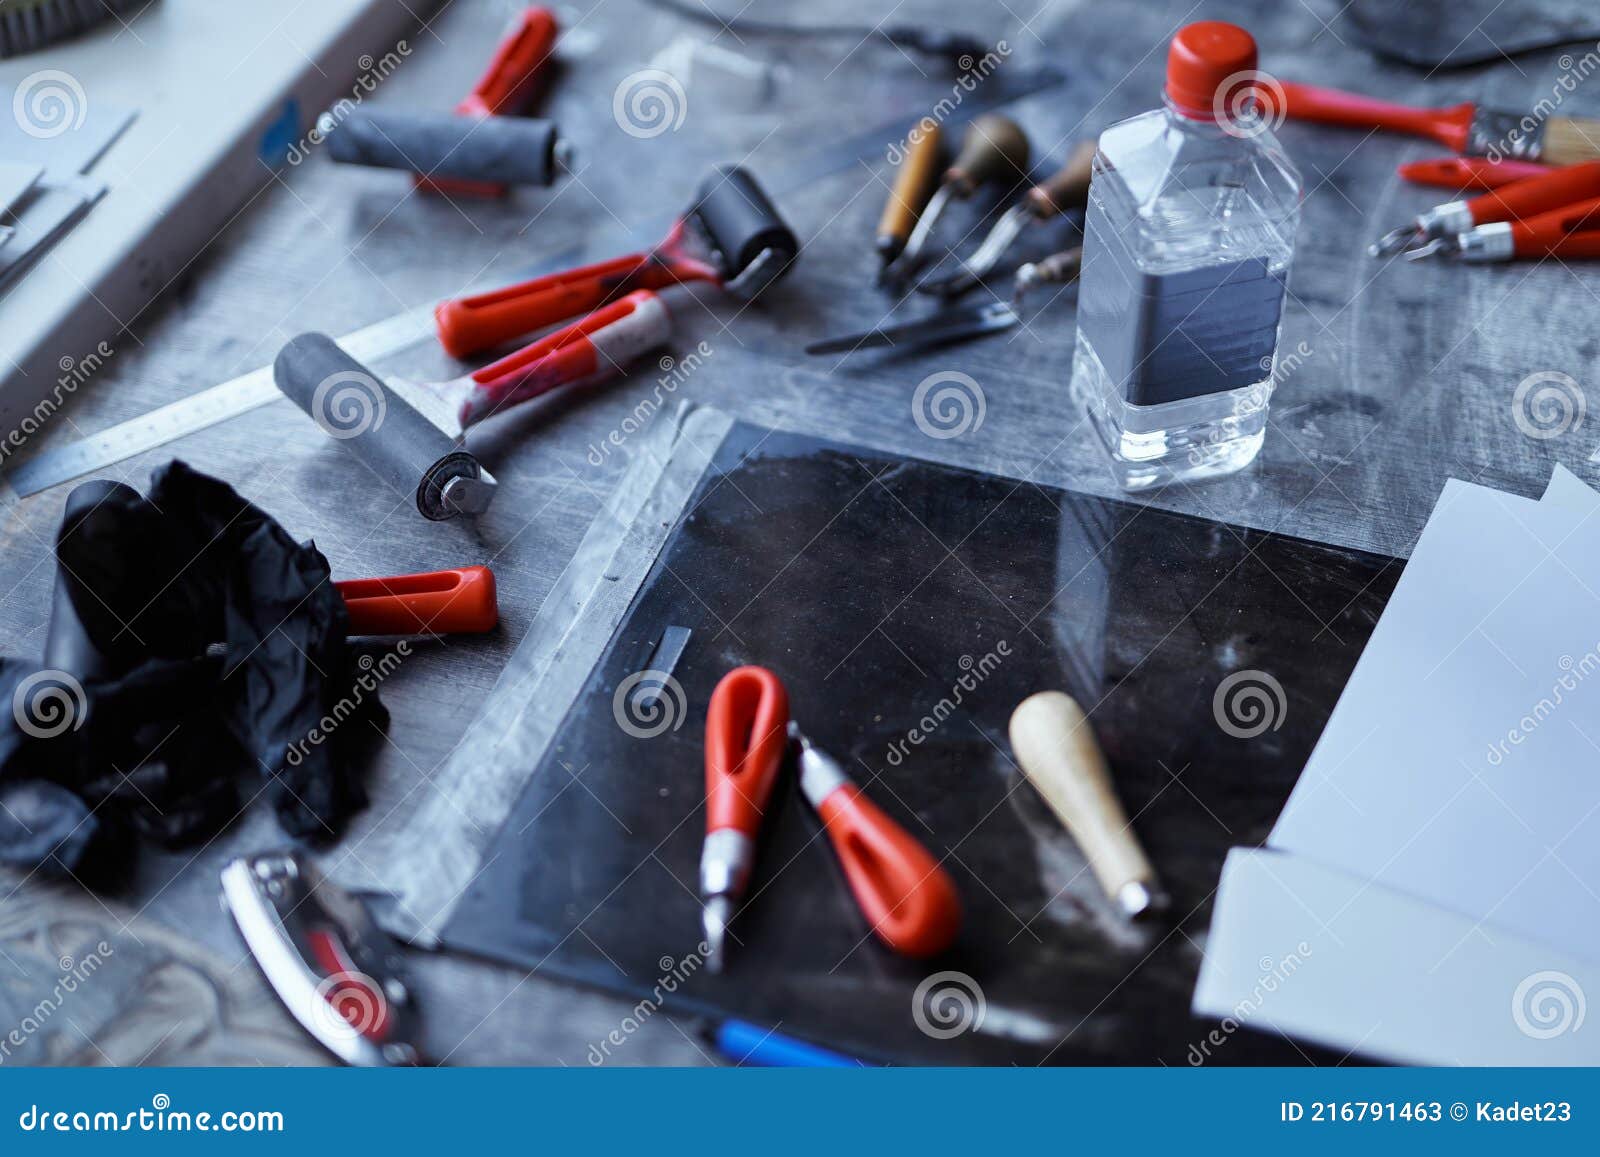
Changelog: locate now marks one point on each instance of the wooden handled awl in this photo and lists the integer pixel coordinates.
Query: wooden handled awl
(1053, 742)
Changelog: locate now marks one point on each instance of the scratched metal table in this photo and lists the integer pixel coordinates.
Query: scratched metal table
(1401, 377)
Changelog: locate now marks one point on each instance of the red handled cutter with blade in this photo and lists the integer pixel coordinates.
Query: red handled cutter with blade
(907, 897)
(746, 737)
(1570, 231)
(1517, 201)
(460, 601)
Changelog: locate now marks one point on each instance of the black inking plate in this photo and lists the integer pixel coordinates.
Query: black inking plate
(909, 607)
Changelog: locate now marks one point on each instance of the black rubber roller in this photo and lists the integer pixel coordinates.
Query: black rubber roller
(740, 221)
(401, 447)
(501, 150)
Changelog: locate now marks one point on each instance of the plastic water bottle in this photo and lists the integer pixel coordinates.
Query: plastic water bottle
(1187, 244)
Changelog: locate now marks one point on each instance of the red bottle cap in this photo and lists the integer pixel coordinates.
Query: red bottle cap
(1202, 57)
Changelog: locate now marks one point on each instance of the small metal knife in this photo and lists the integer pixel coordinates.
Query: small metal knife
(337, 972)
(948, 325)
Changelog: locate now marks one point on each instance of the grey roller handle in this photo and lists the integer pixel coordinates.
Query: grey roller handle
(408, 452)
(497, 149)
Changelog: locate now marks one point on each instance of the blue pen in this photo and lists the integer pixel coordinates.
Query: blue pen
(749, 1044)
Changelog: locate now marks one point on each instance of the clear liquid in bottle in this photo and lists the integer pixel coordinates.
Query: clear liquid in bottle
(1188, 240)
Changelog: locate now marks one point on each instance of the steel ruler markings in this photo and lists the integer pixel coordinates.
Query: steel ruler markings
(256, 389)
(237, 396)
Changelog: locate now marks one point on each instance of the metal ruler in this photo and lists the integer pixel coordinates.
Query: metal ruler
(236, 396)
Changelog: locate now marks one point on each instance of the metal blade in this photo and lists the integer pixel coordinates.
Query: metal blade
(945, 326)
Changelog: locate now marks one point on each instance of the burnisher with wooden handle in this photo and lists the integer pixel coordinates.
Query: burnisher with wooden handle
(1068, 188)
(994, 149)
(1052, 740)
(913, 186)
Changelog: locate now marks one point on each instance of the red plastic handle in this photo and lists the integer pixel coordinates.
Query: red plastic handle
(1532, 196)
(585, 352)
(905, 894)
(1329, 106)
(1467, 174)
(510, 78)
(1572, 231)
(441, 602)
(485, 320)
(746, 738)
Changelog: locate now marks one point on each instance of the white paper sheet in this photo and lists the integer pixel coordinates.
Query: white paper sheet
(1327, 957)
(1462, 763)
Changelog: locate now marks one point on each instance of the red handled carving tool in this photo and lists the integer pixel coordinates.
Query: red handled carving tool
(442, 602)
(1518, 201)
(1571, 231)
(1468, 174)
(411, 433)
(1462, 128)
(732, 237)
(746, 737)
(906, 896)
(511, 83)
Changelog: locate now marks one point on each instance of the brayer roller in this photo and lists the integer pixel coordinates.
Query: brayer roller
(506, 150)
(411, 433)
(732, 237)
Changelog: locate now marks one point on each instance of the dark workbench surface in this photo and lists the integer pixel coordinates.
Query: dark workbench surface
(1406, 379)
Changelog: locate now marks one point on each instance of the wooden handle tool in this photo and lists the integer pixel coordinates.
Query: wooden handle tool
(994, 149)
(1053, 742)
(1068, 188)
(913, 186)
